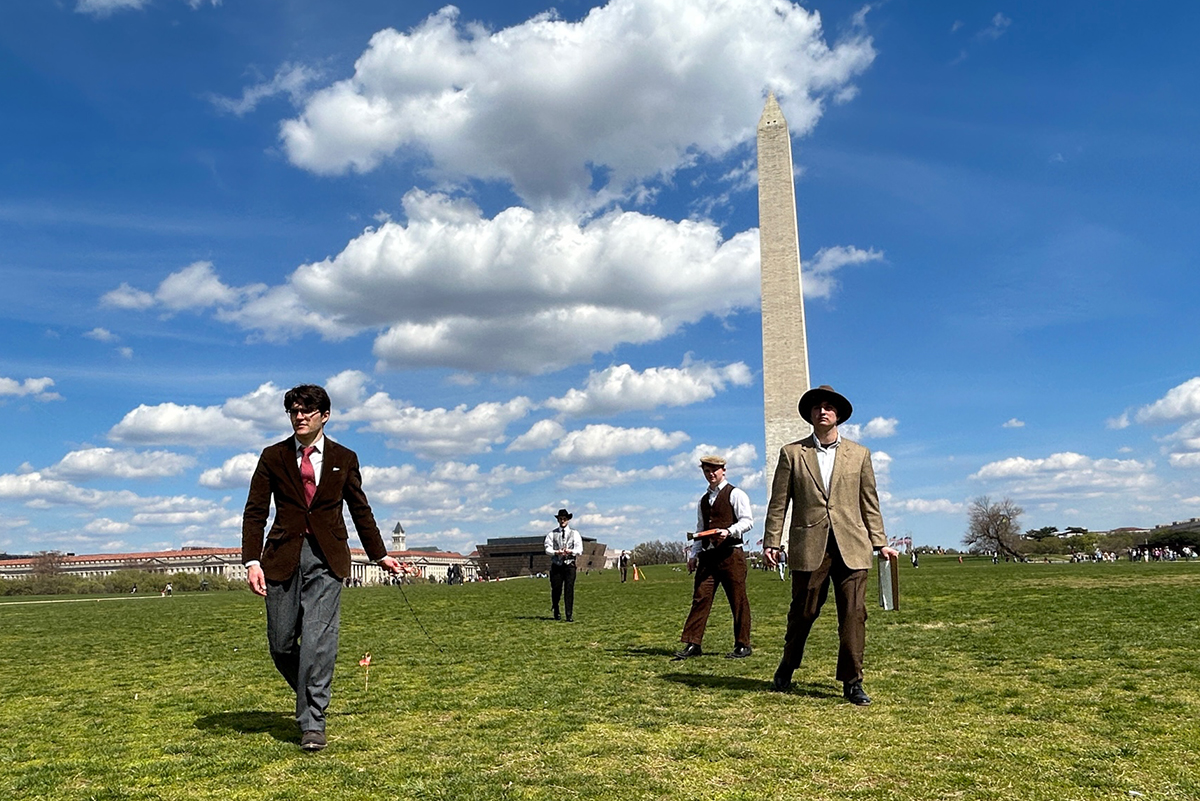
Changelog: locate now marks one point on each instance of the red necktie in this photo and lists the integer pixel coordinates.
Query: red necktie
(308, 475)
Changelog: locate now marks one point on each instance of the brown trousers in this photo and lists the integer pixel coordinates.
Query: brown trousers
(726, 567)
(809, 591)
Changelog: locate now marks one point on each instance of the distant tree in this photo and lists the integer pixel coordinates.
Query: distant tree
(1175, 539)
(1039, 534)
(1081, 543)
(994, 526)
(658, 552)
(47, 563)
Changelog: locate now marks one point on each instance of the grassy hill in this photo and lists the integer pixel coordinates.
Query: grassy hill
(1005, 681)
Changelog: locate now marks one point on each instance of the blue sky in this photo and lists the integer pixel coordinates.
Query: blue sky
(519, 246)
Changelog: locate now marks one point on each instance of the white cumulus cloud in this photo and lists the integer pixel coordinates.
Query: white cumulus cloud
(875, 428)
(176, 424)
(603, 443)
(432, 433)
(234, 472)
(927, 507)
(94, 463)
(101, 335)
(1067, 474)
(540, 435)
(742, 468)
(36, 388)
(621, 388)
(192, 288)
(819, 279)
(634, 90)
(292, 80)
(1180, 403)
(525, 291)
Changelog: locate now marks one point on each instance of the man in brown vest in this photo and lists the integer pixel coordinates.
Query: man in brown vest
(719, 558)
(836, 524)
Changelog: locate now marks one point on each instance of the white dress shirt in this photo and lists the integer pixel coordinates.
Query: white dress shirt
(316, 458)
(825, 456)
(564, 537)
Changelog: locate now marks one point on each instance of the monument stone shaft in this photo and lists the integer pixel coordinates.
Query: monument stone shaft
(785, 347)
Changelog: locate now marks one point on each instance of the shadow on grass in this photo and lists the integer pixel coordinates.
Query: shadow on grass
(279, 725)
(646, 650)
(746, 684)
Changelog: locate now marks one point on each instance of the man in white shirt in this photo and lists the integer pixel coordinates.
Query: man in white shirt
(563, 545)
(719, 559)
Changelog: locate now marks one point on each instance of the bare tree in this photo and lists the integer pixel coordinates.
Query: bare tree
(47, 563)
(994, 526)
(658, 552)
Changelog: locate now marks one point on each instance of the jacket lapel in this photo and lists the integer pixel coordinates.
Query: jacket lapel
(329, 460)
(291, 467)
(808, 454)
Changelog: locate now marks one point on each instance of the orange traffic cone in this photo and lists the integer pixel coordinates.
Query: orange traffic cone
(637, 574)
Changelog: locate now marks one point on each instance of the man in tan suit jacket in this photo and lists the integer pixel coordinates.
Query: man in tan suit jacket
(836, 527)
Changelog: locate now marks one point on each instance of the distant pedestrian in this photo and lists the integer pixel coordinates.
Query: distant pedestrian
(563, 545)
(623, 562)
(916, 562)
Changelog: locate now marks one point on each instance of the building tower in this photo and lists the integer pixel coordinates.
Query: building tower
(399, 539)
(785, 346)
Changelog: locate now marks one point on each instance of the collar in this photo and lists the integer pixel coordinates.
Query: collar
(318, 443)
(829, 447)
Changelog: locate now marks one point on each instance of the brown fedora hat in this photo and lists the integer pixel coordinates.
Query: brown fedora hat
(825, 393)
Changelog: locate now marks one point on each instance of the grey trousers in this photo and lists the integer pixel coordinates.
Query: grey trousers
(303, 616)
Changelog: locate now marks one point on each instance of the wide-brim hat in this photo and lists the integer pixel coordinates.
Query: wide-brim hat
(563, 513)
(824, 393)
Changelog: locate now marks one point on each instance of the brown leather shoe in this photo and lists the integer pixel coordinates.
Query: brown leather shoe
(312, 741)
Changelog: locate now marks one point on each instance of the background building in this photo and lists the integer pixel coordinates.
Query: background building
(506, 557)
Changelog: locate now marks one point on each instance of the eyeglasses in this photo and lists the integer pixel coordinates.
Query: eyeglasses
(298, 412)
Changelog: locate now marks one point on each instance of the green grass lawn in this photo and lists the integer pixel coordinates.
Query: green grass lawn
(991, 682)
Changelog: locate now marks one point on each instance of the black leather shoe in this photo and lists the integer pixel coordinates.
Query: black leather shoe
(687, 652)
(854, 693)
(557, 616)
(740, 652)
(781, 682)
(312, 741)
(570, 619)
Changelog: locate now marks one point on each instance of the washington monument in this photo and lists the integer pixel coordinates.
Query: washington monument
(785, 347)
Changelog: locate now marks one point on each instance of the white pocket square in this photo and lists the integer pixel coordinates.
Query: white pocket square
(336, 469)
